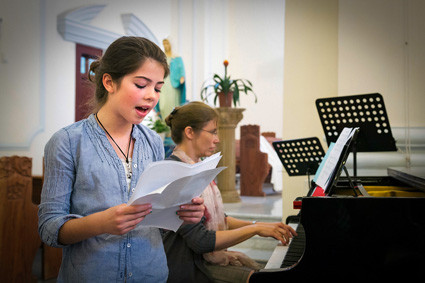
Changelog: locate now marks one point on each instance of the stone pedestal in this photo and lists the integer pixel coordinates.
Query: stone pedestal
(226, 181)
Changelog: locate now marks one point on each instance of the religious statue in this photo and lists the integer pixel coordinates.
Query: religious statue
(173, 93)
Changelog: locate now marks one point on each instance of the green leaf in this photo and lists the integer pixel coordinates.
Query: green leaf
(235, 96)
(225, 84)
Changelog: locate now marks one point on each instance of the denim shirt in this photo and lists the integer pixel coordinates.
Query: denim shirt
(84, 175)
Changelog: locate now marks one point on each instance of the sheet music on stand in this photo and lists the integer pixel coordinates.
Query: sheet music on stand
(334, 161)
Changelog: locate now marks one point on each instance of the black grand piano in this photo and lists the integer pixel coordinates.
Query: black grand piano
(375, 231)
(365, 228)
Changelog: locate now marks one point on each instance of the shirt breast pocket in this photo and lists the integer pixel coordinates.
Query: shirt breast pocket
(97, 187)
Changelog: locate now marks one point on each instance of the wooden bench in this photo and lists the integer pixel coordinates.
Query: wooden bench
(19, 239)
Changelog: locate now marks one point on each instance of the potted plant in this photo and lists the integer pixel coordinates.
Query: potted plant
(226, 89)
(158, 125)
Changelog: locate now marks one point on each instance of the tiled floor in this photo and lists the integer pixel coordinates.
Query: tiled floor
(269, 206)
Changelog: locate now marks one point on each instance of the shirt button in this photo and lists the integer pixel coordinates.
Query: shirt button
(128, 245)
(135, 165)
(133, 189)
(130, 274)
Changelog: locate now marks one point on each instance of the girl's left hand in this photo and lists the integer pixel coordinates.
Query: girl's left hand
(193, 212)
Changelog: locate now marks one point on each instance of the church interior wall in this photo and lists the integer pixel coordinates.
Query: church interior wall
(201, 33)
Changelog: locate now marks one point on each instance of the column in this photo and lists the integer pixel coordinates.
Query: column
(228, 120)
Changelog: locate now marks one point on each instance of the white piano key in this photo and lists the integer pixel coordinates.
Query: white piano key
(276, 259)
(279, 253)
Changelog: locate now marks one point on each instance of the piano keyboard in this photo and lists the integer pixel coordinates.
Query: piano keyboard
(285, 256)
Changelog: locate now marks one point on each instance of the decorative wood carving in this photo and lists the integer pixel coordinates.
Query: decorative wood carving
(254, 165)
(19, 238)
(268, 134)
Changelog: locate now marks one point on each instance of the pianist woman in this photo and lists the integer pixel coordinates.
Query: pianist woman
(197, 252)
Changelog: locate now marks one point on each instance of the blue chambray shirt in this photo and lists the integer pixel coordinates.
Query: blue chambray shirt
(84, 175)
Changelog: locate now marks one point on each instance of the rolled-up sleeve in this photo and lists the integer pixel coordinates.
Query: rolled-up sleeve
(59, 176)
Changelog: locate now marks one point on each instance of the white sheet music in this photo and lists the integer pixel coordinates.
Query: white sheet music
(331, 162)
(274, 161)
(168, 184)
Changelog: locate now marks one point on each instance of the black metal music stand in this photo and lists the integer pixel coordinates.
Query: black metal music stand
(366, 111)
(300, 157)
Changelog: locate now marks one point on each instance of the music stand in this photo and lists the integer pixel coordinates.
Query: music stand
(366, 111)
(300, 157)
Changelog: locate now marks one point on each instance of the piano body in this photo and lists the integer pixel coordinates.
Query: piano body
(378, 234)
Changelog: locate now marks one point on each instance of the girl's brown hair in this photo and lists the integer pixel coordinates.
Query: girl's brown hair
(124, 56)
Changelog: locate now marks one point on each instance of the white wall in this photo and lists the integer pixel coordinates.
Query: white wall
(381, 49)
(37, 83)
(256, 48)
(20, 72)
(310, 72)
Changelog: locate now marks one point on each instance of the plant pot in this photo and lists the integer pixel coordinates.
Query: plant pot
(225, 100)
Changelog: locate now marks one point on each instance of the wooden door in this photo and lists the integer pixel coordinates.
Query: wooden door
(84, 88)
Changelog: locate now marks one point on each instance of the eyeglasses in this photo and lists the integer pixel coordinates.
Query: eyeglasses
(213, 132)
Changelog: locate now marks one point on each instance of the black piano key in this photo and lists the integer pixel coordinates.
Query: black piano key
(295, 249)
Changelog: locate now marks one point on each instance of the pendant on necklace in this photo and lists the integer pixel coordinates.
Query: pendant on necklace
(129, 173)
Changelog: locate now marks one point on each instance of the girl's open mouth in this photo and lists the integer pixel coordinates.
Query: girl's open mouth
(143, 111)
